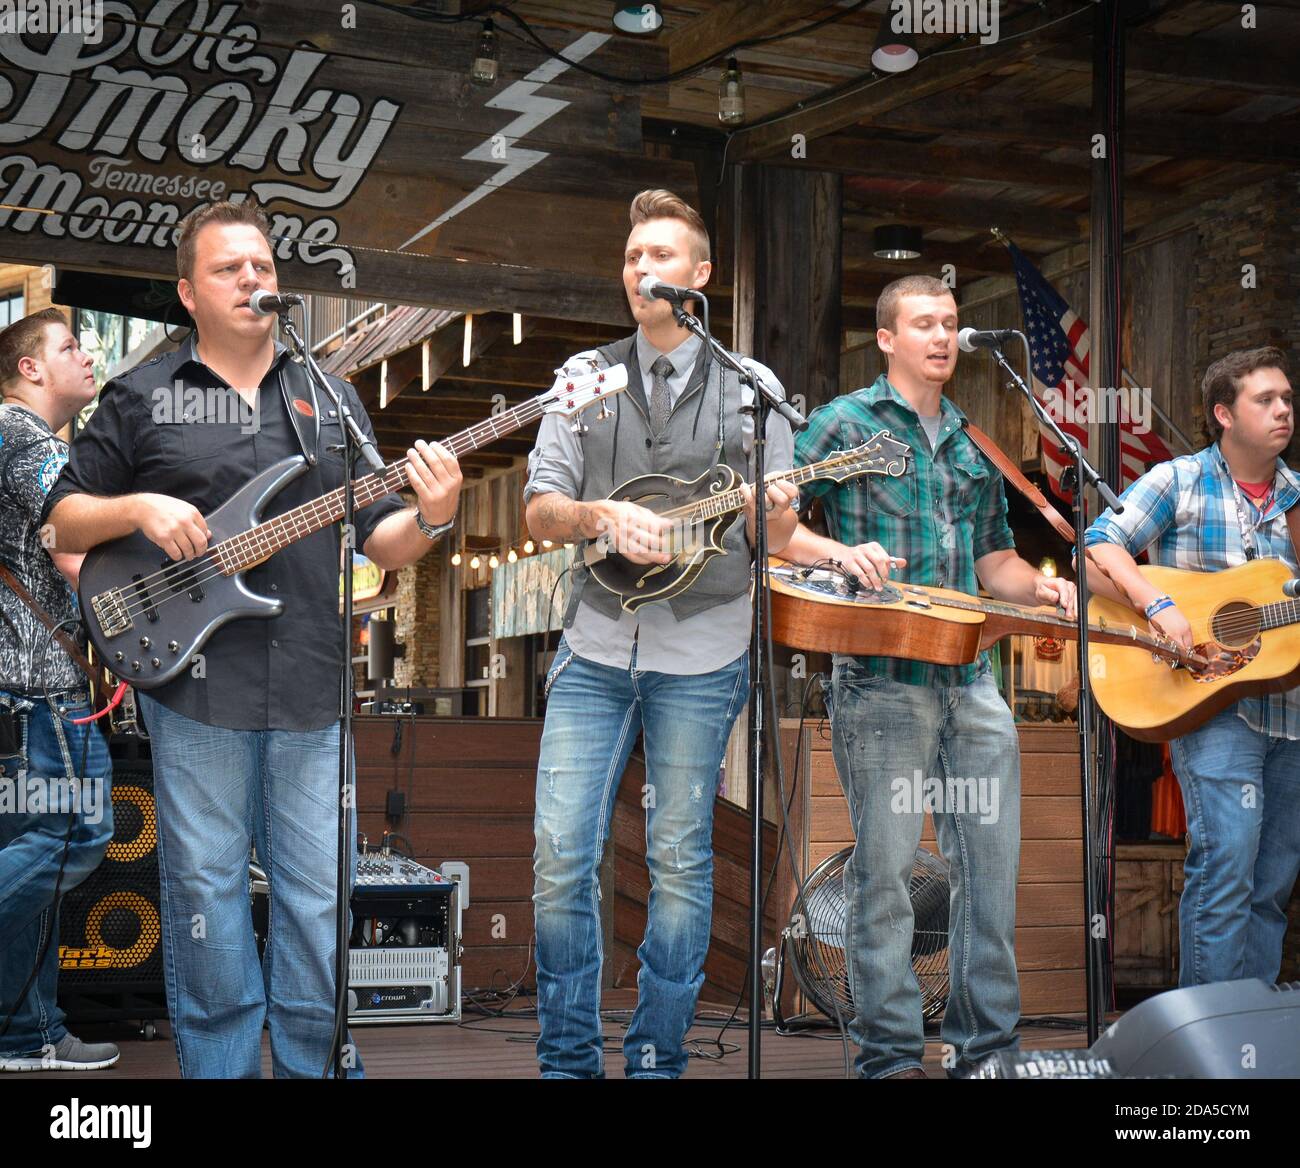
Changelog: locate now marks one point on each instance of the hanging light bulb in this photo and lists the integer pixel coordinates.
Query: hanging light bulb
(455, 560)
(475, 563)
(546, 543)
(486, 61)
(493, 562)
(512, 555)
(529, 547)
(731, 95)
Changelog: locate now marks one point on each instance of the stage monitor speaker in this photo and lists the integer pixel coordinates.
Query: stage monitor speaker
(1228, 1030)
(110, 932)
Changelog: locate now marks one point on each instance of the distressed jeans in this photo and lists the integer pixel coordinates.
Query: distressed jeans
(1241, 790)
(593, 714)
(218, 791)
(901, 750)
(31, 851)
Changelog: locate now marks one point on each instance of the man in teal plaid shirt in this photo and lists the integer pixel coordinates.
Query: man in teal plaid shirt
(903, 728)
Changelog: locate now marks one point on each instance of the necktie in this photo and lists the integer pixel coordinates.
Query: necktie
(661, 400)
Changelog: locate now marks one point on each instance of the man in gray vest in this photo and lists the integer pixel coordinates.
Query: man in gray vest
(676, 670)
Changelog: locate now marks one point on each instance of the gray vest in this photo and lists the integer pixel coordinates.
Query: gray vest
(697, 436)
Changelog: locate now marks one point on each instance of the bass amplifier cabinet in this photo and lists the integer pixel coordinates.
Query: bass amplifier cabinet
(405, 947)
(1228, 1030)
(110, 931)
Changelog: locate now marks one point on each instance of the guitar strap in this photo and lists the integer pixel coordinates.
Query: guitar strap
(1064, 528)
(66, 643)
(1012, 474)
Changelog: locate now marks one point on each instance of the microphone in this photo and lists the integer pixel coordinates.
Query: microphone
(969, 339)
(1291, 588)
(266, 303)
(653, 288)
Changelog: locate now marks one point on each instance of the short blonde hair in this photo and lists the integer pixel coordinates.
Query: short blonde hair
(891, 294)
(665, 205)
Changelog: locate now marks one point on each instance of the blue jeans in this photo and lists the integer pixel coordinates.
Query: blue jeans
(31, 849)
(1241, 790)
(901, 750)
(593, 713)
(217, 790)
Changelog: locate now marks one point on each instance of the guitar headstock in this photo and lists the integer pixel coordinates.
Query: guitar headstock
(880, 454)
(572, 395)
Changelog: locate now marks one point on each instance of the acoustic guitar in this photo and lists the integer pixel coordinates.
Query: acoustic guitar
(1243, 627)
(828, 611)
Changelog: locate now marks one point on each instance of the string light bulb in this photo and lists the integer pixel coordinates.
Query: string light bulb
(493, 562)
(529, 547)
(486, 57)
(455, 559)
(512, 555)
(475, 563)
(731, 95)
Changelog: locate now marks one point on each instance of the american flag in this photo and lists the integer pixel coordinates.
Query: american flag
(1059, 344)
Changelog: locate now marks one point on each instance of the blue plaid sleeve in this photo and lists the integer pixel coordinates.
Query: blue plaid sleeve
(1149, 511)
(818, 441)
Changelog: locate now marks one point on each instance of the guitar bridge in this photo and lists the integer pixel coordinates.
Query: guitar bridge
(110, 612)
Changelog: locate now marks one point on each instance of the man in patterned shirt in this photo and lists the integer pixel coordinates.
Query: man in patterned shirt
(909, 737)
(44, 844)
(1240, 772)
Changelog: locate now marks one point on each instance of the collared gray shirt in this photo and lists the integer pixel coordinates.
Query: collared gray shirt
(701, 643)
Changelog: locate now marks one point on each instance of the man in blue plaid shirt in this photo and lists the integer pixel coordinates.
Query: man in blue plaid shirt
(909, 737)
(1240, 772)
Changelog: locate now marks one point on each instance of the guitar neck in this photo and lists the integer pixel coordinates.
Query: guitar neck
(1004, 618)
(734, 500)
(258, 543)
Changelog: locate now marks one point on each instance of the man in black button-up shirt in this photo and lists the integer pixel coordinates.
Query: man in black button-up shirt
(244, 744)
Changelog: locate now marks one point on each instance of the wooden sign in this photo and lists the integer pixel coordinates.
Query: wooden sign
(385, 172)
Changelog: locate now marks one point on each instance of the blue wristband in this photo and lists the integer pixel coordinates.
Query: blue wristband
(1159, 604)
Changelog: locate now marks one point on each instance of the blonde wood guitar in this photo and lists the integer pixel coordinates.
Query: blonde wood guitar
(1244, 627)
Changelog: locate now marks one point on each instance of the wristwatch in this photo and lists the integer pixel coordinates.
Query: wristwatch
(428, 530)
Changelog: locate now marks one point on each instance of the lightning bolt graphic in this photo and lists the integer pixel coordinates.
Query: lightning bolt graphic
(533, 110)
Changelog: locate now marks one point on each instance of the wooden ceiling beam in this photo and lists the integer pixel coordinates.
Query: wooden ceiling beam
(1192, 61)
(957, 210)
(865, 98)
(717, 28)
(1170, 135)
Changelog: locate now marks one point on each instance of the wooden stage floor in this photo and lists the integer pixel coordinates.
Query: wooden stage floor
(502, 1048)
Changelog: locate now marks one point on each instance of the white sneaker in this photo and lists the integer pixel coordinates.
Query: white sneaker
(71, 1054)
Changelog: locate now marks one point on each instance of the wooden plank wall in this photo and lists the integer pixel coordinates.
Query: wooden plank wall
(33, 283)
(469, 796)
(469, 786)
(1049, 895)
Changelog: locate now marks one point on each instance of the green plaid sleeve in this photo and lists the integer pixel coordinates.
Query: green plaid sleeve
(818, 441)
(991, 532)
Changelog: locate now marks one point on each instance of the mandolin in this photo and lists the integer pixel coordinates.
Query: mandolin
(147, 615)
(704, 508)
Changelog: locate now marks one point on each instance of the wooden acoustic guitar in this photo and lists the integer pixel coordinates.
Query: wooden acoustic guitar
(825, 611)
(1243, 627)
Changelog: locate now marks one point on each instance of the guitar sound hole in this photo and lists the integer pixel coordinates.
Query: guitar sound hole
(1236, 624)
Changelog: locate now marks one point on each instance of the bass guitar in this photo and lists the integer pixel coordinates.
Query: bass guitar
(147, 615)
(702, 510)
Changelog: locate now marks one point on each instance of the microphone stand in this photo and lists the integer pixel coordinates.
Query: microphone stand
(1084, 474)
(354, 443)
(765, 400)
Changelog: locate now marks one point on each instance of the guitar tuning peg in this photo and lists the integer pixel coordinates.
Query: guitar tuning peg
(578, 427)
(604, 413)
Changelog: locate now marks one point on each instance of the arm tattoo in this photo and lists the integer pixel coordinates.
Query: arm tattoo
(564, 519)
